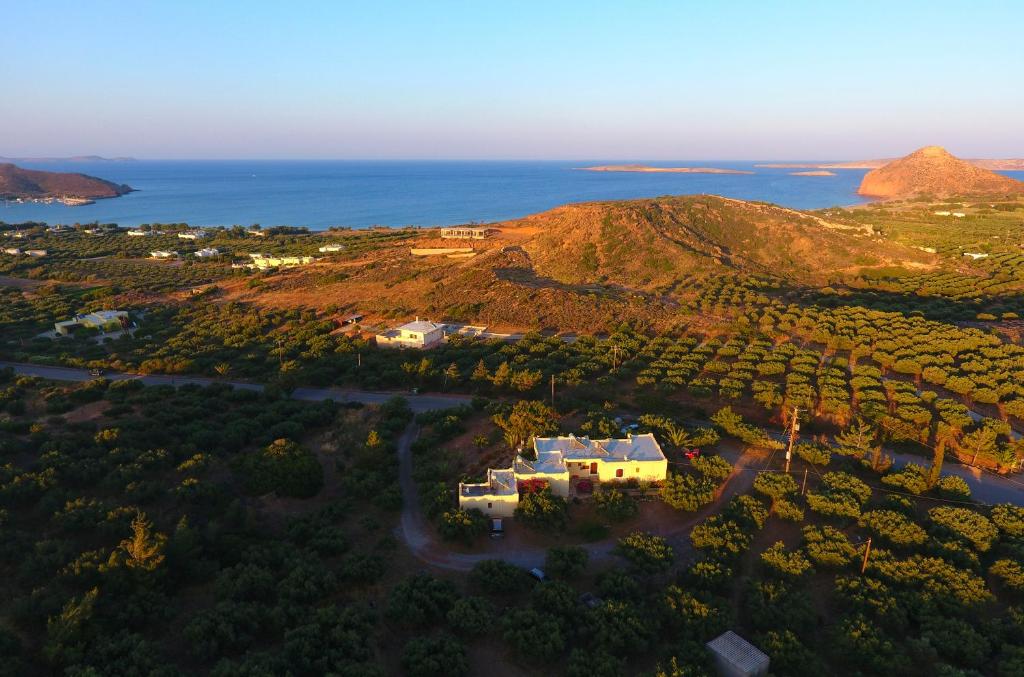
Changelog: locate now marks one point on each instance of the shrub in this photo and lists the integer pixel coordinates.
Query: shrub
(470, 616)
(952, 486)
(646, 552)
(498, 577)
(462, 525)
(815, 454)
(967, 525)
(714, 468)
(284, 467)
(421, 599)
(788, 510)
(912, 478)
(775, 484)
(434, 657)
(566, 562)
(893, 527)
(542, 510)
(614, 505)
(828, 547)
(790, 564)
(725, 538)
(685, 492)
(1009, 518)
(1010, 572)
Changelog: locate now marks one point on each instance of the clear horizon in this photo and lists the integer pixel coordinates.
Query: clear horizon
(467, 81)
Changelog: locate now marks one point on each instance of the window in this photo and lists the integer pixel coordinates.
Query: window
(489, 504)
(618, 472)
(638, 468)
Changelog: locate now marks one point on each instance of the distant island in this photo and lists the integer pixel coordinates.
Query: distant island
(73, 158)
(667, 170)
(1007, 164)
(70, 188)
(814, 172)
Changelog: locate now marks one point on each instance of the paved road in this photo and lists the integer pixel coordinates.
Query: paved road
(418, 403)
(422, 539)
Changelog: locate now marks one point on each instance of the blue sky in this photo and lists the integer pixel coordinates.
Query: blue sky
(560, 80)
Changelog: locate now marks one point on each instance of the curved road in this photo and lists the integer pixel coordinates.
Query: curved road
(418, 403)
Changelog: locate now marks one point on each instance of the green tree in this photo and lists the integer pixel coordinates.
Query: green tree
(526, 419)
(646, 552)
(614, 505)
(437, 656)
(462, 525)
(542, 510)
(568, 561)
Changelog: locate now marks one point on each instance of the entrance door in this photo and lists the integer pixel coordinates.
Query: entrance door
(593, 468)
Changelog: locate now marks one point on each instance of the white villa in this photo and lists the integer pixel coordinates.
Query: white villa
(193, 235)
(420, 334)
(163, 254)
(561, 461)
(101, 319)
(207, 253)
(139, 233)
(329, 248)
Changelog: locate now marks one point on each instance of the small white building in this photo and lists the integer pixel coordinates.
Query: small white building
(163, 254)
(959, 215)
(330, 248)
(38, 253)
(975, 255)
(419, 334)
(208, 253)
(498, 496)
(139, 233)
(104, 320)
(13, 251)
(193, 235)
(467, 233)
(734, 656)
(941, 213)
(263, 262)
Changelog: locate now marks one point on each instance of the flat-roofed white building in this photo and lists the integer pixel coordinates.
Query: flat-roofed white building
(105, 320)
(193, 235)
(467, 233)
(331, 248)
(419, 334)
(35, 252)
(163, 254)
(139, 233)
(498, 496)
(207, 253)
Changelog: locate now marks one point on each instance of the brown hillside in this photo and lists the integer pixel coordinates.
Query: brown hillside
(644, 244)
(16, 182)
(934, 171)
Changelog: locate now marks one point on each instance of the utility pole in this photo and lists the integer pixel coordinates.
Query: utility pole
(803, 487)
(867, 551)
(794, 426)
(552, 390)
(359, 359)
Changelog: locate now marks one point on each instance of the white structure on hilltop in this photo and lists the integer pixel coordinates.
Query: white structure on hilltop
(193, 235)
(420, 334)
(562, 461)
(330, 248)
(207, 253)
(467, 233)
(103, 320)
(139, 233)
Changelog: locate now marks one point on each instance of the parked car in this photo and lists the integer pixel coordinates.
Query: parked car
(538, 574)
(692, 453)
(95, 372)
(497, 528)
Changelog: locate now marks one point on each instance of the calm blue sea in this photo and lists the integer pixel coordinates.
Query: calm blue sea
(319, 194)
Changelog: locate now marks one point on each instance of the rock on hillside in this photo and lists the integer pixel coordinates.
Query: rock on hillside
(17, 182)
(646, 244)
(934, 171)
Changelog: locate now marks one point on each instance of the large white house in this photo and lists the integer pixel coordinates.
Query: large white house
(561, 462)
(420, 334)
